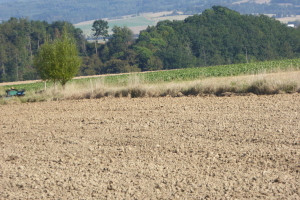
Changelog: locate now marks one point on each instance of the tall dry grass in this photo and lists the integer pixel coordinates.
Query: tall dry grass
(262, 84)
(274, 83)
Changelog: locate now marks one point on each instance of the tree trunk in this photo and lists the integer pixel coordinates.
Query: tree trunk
(3, 69)
(30, 48)
(204, 54)
(246, 55)
(96, 47)
(84, 47)
(17, 67)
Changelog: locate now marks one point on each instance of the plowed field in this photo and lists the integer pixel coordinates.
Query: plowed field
(245, 147)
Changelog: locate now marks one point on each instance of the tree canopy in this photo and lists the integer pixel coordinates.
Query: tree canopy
(217, 36)
(20, 40)
(58, 61)
(101, 28)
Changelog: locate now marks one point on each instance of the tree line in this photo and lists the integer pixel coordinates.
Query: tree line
(20, 40)
(217, 36)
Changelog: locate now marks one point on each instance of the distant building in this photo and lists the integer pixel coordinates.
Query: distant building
(291, 25)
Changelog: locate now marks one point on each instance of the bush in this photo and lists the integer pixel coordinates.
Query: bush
(261, 87)
(58, 61)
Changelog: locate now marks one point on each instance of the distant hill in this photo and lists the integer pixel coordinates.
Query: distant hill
(82, 10)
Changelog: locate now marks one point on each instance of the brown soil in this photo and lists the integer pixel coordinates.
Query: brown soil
(244, 147)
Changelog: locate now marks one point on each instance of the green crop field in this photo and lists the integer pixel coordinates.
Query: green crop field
(187, 74)
(222, 70)
(135, 23)
(190, 74)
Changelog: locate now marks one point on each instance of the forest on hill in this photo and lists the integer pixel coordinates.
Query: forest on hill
(76, 11)
(217, 36)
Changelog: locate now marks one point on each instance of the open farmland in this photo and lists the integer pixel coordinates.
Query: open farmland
(187, 74)
(244, 147)
(136, 23)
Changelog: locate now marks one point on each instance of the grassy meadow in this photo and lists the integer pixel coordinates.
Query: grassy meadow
(138, 21)
(268, 77)
(135, 23)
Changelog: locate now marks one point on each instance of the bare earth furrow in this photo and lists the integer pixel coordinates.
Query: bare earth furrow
(243, 147)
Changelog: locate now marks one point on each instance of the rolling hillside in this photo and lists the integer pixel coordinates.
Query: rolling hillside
(77, 11)
(136, 23)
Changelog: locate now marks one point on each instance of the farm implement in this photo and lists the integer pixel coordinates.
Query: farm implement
(14, 92)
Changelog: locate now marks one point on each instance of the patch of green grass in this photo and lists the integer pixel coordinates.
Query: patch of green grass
(222, 70)
(187, 74)
(38, 86)
(129, 22)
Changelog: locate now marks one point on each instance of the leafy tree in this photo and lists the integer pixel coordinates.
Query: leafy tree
(154, 63)
(116, 66)
(120, 41)
(104, 53)
(20, 40)
(58, 61)
(3, 60)
(119, 66)
(101, 29)
(91, 65)
(144, 55)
